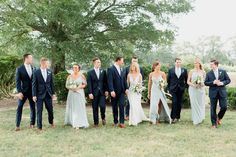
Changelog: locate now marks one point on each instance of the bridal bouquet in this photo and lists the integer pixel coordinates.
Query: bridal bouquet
(138, 88)
(198, 82)
(162, 84)
(73, 84)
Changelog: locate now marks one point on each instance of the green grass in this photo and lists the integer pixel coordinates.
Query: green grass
(179, 140)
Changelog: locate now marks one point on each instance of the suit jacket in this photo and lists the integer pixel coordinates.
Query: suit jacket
(39, 87)
(127, 69)
(116, 82)
(214, 89)
(96, 85)
(23, 81)
(174, 82)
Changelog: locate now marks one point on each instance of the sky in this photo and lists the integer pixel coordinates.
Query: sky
(210, 17)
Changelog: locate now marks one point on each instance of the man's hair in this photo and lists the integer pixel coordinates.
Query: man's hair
(43, 59)
(118, 58)
(134, 57)
(215, 62)
(177, 59)
(26, 56)
(95, 59)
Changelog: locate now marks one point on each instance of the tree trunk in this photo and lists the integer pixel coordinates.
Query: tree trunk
(58, 60)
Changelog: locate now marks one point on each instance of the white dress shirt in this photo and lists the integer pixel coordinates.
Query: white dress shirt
(44, 73)
(97, 72)
(178, 71)
(216, 72)
(118, 68)
(28, 69)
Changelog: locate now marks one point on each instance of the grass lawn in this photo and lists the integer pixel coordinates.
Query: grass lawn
(176, 140)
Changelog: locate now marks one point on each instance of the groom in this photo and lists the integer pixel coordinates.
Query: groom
(177, 82)
(217, 79)
(43, 92)
(118, 88)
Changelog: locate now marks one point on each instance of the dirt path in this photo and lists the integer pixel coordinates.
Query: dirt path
(7, 104)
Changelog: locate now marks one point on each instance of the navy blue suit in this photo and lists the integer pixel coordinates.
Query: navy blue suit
(44, 92)
(24, 86)
(217, 93)
(127, 107)
(176, 87)
(117, 83)
(97, 87)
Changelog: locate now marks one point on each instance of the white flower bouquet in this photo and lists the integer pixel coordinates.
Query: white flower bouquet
(138, 88)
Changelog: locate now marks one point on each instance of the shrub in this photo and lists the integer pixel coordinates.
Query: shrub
(231, 98)
(60, 88)
(8, 65)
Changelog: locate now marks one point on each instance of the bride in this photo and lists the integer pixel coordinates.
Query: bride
(159, 109)
(134, 79)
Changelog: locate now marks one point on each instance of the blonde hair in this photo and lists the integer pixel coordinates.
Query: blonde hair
(197, 60)
(43, 59)
(136, 67)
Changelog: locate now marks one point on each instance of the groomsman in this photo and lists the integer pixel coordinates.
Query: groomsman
(118, 87)
(98, 91)
(217, 79)
(127, 69)
(177, 82)
(43, 91)
(24, 89)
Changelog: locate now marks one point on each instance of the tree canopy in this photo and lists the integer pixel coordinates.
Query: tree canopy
(65, 30)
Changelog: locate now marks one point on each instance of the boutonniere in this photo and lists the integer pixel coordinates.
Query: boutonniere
(101, 71)
(182, 70)
(49, 72)
(220, 73)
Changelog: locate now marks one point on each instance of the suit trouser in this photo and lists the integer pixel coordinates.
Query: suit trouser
(116, 102)
(223, 108)
(177, 97)
(20, 108)
(48, 104)
(99, 101)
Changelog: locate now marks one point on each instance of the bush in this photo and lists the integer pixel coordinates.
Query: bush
(8, 65)
(231, 98)
(60, 85)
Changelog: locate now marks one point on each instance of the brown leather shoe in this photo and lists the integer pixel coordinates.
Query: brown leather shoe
(104, 122)
(40, 129)
(174, 120)
(53, 125)
(122, 125)
(95, 126)
(218, 121)
(126, 118)
(17, 129)
(213, 127)
(32, 126)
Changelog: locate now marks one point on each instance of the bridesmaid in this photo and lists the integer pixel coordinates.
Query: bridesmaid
(75, 105)
(159, 109)
(196, 79)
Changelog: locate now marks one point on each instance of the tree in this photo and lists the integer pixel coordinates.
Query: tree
(69, 29)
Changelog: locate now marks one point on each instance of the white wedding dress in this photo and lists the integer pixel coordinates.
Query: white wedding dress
(136, 114)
